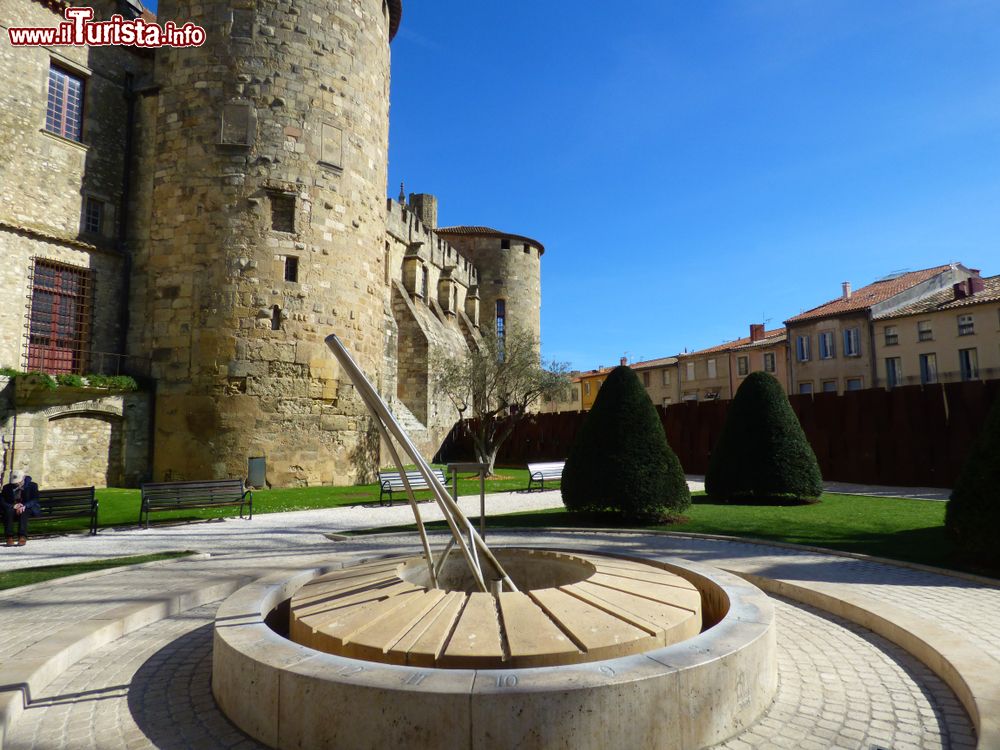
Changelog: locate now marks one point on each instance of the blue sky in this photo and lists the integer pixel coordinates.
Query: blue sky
(695, 167)
(692, 167)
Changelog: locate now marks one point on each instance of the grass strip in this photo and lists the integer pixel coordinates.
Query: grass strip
(120, 507)
(895, 528)
(13, 578)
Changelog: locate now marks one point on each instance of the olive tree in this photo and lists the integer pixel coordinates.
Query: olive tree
(494, 385)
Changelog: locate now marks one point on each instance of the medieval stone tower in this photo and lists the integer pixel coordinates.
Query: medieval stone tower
(259, 230)
(510, 286)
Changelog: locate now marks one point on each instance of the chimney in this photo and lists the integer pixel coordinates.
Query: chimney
(846, 287)
(756, 332)
(624, 361)
(960, 289)
(976, 284)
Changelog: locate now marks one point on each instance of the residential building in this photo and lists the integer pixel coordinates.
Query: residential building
(570, 401)
(660, 379)
(832, 346)
(714, 373)
(591, 382)
(765, 350)
(951, 335)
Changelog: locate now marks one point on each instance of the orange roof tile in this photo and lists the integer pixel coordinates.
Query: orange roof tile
(866, 296)
(662, 361)
(770, 337)
(945, 300)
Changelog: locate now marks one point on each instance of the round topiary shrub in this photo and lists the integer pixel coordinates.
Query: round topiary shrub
(973, 513)
(762, 453)
(620, 460)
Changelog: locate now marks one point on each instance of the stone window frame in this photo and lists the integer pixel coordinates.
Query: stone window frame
(291, 271)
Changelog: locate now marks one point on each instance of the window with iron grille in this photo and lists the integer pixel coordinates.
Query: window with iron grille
(64, 111)
(58, 318)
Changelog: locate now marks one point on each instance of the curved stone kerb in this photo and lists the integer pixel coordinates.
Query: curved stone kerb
(694, 693)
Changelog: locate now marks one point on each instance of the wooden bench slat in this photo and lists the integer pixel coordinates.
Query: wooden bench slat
(392, 481)
(194, 494)
(539, 472)
(69, 502)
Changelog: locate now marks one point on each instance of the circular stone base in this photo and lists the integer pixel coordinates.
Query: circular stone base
(568, 609)
(694, 693)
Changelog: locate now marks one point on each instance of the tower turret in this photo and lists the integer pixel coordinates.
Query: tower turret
(510, 284)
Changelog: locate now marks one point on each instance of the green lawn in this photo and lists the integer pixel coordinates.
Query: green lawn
(25, 576)
(120, 507)
(896, 528)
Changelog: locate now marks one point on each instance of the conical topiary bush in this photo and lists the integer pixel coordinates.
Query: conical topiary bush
(762, 453)
(973, 513)
(620, 460)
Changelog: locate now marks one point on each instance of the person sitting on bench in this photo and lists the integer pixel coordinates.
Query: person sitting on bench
(19, 499)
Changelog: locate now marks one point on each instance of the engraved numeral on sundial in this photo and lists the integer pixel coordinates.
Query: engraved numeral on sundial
(506, 680)
(348, 671)
(607, 671)
(415, 679)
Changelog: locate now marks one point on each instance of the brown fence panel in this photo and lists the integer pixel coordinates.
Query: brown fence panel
(910, 436)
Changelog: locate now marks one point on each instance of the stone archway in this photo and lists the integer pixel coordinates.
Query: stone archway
(83, 449)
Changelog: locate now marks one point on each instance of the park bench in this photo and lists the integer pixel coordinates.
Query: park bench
(215, 493)
(72, 502)
(392, 481)
(538, 473)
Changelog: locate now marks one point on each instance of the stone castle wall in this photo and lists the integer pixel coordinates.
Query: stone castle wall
(254, 224)
(74, 438)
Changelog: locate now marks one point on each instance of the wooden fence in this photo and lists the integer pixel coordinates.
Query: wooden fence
(915, 436)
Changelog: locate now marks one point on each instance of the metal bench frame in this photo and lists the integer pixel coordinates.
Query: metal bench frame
(392, 481)
(215, 493)
(543, 470)
(71, 502)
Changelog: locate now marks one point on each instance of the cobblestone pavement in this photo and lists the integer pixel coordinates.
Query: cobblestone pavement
(835, 677)
(839, 686)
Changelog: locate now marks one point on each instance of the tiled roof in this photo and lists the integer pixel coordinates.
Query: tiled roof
(490, 232)
(661, 362)
(770, 337)
(780, 335)
(867, 296)
(945, 300)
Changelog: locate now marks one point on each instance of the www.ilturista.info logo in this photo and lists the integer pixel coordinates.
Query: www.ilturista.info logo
(80, 30)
